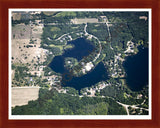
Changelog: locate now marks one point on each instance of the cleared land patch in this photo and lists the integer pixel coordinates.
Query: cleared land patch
(26, 44)
(85, 20)
(21, 95)
(21, 31)
(23, 52)
(16, 16)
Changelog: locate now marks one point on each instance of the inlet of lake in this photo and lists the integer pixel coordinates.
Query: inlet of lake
(136, 67)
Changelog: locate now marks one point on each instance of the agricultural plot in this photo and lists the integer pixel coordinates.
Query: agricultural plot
(21, 96)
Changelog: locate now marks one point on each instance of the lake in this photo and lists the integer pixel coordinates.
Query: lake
(99, 73)
(137, 69)
(82, 47)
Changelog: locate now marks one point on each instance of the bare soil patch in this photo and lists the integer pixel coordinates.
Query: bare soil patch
(85, 20)
(23, 51)
(16, 16)
(21, 31)
(21, 96)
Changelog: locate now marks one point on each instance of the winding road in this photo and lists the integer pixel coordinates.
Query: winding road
(109, 34)
(87, 34)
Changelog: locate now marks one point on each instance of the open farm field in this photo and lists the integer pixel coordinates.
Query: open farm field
(21, 95)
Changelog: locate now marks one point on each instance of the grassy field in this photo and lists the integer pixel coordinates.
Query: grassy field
(49, 13)
(62, 14)
(59, 46)
(21, 96)
(55, 29)
(69, 46)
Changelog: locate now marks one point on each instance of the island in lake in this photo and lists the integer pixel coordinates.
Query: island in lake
(80, 63)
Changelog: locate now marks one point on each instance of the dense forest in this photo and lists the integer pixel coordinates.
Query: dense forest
(54, 103)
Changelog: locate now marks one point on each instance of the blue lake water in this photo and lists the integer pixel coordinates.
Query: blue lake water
(137, 69)
(82, 47)
(98, 74)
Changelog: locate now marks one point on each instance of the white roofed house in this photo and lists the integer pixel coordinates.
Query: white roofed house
(89, 66)
(143, 17)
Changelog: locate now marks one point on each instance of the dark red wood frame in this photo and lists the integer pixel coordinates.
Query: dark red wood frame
(6, 4)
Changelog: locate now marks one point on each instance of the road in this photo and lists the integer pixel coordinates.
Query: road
(109, 34)
(100, 49)
(61, 36)
(132, 106)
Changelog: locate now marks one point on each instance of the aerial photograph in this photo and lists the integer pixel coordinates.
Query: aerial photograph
(79, 62)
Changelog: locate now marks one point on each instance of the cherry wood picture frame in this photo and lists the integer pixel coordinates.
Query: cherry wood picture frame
(4, 53)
